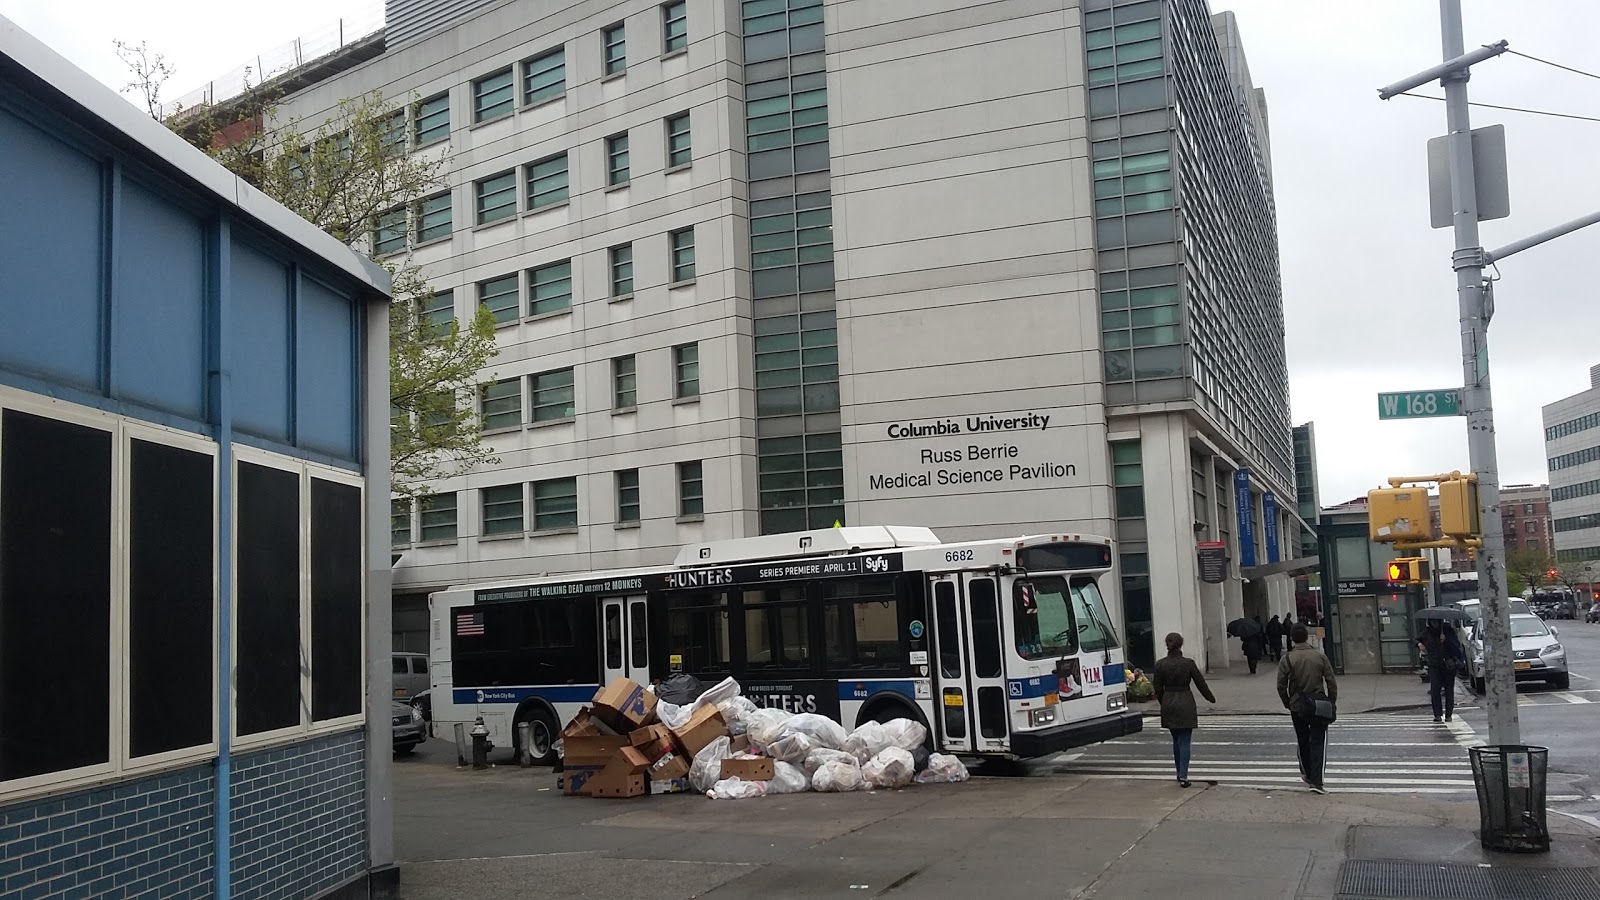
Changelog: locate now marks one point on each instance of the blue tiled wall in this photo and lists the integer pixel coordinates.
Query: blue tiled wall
(149, 837)
(299, 818)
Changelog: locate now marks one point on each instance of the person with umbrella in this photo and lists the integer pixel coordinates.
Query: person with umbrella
(1250, 635)
(1445, 658)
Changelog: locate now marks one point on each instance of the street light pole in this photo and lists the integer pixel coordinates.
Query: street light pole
(1477, 404)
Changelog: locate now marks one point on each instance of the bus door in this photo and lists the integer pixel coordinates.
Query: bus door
(972, 685)
(624, 639)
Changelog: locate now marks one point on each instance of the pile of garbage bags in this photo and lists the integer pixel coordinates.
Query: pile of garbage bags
(715, 741)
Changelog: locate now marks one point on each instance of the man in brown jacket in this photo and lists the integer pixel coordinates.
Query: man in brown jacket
(1305, 674)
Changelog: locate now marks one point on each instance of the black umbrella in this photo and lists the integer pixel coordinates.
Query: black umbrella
(1243, 628)
(1442, 613)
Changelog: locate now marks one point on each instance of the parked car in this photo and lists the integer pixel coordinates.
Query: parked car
(423, 703)
(407, 727)
(1593, 615)
(1474, 608)
(410, 674)
(1536, 653)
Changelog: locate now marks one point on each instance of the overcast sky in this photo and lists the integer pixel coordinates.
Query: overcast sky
(1368, 290)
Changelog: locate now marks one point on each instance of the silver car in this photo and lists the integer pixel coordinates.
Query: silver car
(407, 725)
(1536, 653)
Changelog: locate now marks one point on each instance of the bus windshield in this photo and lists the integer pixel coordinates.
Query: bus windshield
(1094, 625)
(1044, 618)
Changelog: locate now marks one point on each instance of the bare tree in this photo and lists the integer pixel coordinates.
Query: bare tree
(149, 71)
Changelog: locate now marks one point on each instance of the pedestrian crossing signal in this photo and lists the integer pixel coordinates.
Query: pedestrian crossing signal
(1408, 570)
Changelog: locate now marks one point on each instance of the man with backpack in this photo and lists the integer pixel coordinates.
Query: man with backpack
(1308, 690)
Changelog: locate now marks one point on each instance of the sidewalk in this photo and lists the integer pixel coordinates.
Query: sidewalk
(500, 833)
(1240, 693)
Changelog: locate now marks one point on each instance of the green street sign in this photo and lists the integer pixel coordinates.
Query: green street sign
(1419, 404)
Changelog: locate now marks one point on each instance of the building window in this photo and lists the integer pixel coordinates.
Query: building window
(502, 404)
(617, 159)
(555, 504)
(399, 522)
(682, 243)
(439, 310)
(433, 218)
(1128, 476)
(628, 495)
(622, 270)
(675, 26)
(1527, 509)
(615, 56)
(544, 77)
(431, 120)
(550, 287)
(691, 489)
(389, 233)
(686, 371)
(392, 139)
(624, 382)
(1531, 527)
(497, 197)
(438, 514)
(502, 509)
(553, 396)
(547, 182)
(500, 295)
(492, 96)
(679, 151)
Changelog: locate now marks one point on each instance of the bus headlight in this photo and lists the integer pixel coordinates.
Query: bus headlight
(1115, 702)
(1041, 717)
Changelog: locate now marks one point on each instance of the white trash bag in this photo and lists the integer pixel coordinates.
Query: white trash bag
(736, 789)
(905, 733)
(823, 731)
(891, 768)
(735, 711)
(726, 689)
(706, 769)
(837, 775)
(942, 769)
(788, 779)
(820, 755)
(791, 748)
(868, 741)
(766, 725)
(672, 715)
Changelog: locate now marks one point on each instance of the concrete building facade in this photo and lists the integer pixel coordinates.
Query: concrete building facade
(193, 480)
(1572, 452)
(754, 275)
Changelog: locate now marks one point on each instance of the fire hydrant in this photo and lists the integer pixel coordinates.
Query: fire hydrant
(480, 745)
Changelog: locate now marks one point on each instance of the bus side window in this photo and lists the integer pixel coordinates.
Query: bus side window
(985, 627)
(613, 636)
(949, 629)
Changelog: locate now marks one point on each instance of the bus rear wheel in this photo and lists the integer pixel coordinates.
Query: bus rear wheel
(542, 733)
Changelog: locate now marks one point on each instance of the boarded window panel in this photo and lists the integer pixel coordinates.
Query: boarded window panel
(335, 600)
(327, 367)
(55, 596)
(161, 317)
(267, 552)
(170, 581)
(259, 320)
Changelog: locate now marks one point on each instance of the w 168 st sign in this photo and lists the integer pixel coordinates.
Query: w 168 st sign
(1419, 404)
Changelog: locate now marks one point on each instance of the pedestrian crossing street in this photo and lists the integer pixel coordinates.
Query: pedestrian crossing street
(1367, 753)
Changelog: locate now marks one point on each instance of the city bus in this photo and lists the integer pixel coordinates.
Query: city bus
(1001, 648)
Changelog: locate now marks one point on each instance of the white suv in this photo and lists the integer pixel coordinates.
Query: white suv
(1536, 653)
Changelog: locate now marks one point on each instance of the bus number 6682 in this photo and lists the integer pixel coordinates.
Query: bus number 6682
(958, 555)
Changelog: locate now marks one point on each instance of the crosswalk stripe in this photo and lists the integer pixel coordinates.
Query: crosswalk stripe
(1570, 697)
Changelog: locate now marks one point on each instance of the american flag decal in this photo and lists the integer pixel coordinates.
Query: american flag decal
(469, 624)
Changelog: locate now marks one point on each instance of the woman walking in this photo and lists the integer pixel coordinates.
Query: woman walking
(1179, 713)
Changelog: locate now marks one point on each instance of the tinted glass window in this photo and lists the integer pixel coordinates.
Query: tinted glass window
(638, 637)
(267, 554)
(531, 642)
(697, 630)
(948, 627)
(613, 636)
(777, 632)
(985, 628)
(336, 601)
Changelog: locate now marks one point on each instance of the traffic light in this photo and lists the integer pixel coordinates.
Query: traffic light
(1458, 507)
(1399, 514)
(1408, 570)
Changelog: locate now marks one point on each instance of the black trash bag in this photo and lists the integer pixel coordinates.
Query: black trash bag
(680, 690)
(919, 756)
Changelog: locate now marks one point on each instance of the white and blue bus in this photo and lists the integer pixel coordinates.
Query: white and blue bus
(1002, 648)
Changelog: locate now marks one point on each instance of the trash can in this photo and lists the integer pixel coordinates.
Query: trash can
(1511, 785)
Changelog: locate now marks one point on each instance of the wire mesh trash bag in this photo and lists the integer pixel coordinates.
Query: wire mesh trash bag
(1511, 798)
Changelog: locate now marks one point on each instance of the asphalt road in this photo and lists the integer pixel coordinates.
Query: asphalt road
(1564, 721)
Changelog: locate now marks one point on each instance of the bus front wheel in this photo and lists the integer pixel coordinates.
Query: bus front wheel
(542, 730)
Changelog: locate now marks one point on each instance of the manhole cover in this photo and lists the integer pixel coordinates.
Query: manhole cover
(1369, 879)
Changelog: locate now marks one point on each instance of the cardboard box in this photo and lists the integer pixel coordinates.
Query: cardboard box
(670, 767)
(624, 705)
(703, 727)
(584, 756)
(655, 741)
(582, 725)
(748, 769)
(670, 786)
(618, 787)
(740, 743)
